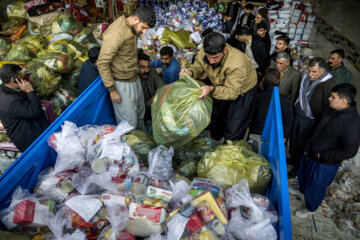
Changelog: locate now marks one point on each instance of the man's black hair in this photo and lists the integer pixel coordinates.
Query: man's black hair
(271, 77)
(206, 32)
(345, 90)
(8, 71)
(243, 31)
(261, 25)
(318, 60)
(214, 43)
(143, 56)
(284, 38)
(166, 51)
(94, 54)
(249, 6)
(146, 15)
(339, 52)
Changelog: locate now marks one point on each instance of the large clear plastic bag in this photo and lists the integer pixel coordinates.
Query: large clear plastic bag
(25, 210)
(56, 61)
(16, 9)
(178, 115)
(74, 49)
(118, 217)
(141, 143)
(57, 225)
(249, 220)
(181, 39)
(230, 163)
(86, 38)
(33, 43)
(46, 82)
(66, 23)
(176, 226)
(160, 162)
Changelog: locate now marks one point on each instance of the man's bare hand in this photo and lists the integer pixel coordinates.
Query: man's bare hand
(115, 96)
(185, 70)
(232, 31)
(24, 85)
(206, 90)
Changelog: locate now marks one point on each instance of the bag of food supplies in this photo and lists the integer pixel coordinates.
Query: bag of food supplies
(86, 38)
(74, 49)
(66, 23)
(46, 82)
(16, 9)
(56, 61)
(230, 163)
(19, 53)
(178, 114)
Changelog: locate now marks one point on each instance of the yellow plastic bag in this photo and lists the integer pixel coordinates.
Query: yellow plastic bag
(19, 52)
(181, 39)
(230, 163)
(59, 62)
(4, 47)
(66, 23)
(86, 38)
(178, 115)
(33, 43)
(74, 49)
(17, 9)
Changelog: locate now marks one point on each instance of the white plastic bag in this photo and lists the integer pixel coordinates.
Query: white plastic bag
(160, 162)
(176, 226)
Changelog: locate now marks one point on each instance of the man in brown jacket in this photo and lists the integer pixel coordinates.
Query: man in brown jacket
(232, 84)
(118, 65)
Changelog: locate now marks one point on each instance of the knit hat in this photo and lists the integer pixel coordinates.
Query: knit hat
(263, 12)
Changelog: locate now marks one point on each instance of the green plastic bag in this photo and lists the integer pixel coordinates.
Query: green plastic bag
(3, 137)
(72, 78)
(178, 114)
(230, 163)
(86, 38)
(45, 30)
(17, 9)
(66, 23)
(4, 47)
(195, 149)
(56, 61)
(74, 49)
(141, 143)
(188, 168)
(181, 39)
(33, 43)
(62, 98)
(46, 82)
(19, 52)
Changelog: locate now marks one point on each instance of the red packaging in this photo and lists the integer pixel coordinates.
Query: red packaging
(303, 17)
(205, 211)
(195, 224)
(24, 212)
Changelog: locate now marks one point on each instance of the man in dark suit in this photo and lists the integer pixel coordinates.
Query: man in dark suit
(246, 18)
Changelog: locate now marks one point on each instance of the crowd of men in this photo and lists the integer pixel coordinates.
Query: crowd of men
(321, 123)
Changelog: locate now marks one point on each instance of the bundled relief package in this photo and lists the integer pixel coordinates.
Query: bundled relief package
(178, 115)
(56, 61)
(66, 23)
(86, 38)
(71, 47)
(230, 163)
(141, 143)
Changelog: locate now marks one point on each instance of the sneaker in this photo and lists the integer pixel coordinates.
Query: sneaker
(303, 213)
(295, 190)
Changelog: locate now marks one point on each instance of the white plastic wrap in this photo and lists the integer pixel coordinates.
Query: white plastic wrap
(160, 162)
(176, 226)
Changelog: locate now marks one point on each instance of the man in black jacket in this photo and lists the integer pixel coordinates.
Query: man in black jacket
(230, 15)
(282, 45)
(336, 138)
(246, 19)
(313, 98)
(263, 33)
(254, 47)
(271, 80)
(20, 109)
(89, 71)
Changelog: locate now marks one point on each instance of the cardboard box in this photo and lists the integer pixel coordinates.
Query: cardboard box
(295, 19)
(303, 17)
(311, 18)
(307, 31)
(301, 25)
(299, 31)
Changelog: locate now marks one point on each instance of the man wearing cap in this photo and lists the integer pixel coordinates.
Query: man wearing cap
(232, 85)
(118, 65)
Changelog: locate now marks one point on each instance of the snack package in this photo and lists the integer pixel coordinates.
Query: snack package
(230, 163)
(25, 210)
(56, 61)
(160, 162)
(178, 115)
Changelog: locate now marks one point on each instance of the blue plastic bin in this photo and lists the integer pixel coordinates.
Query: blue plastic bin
(94, 106)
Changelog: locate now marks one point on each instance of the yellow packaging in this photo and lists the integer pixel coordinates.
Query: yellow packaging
(207, 196)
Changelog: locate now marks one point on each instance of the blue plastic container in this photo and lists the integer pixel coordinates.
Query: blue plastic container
(94, 106)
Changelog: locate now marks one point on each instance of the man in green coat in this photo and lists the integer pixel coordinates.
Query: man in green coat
(337, 68)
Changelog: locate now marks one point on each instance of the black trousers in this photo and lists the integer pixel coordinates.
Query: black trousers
(301, 132)
(230, 118)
